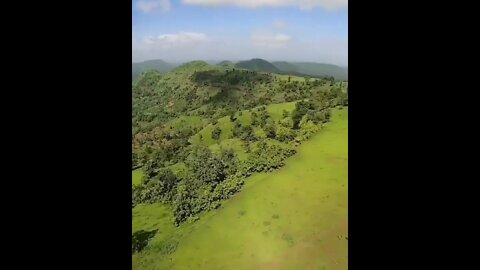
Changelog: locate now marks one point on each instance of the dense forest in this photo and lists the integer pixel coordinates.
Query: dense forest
(199, 130)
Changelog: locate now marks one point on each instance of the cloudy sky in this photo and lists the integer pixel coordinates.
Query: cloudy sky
(291, 30)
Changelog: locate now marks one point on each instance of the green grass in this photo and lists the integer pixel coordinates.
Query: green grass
(245, 119)
(294, 218)
(237, 145)
(183, 122)
(137, 176)
(293, 78)
(308, 198)
(152, 217)
(276, 110)
(224, 124)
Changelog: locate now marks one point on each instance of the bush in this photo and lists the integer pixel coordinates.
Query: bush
(216, 133)
(270, 130)
(140, 239)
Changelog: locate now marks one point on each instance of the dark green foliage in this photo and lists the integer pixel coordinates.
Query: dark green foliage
(159, 188)
(247, 134)
(270, 130)
(182, 206)
(237, 128)
(254, 118)
(230, 161)
(214, 180)
(301, 108)
(140, 239)
(206, 166)
(266, 158)
(216, 133)
(263, 117)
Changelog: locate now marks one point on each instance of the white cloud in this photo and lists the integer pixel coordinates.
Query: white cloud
(264, 43)
(280, 25)
(181, 45)
(181, 39)
(148, 6)
(302, 4)
(265, 39)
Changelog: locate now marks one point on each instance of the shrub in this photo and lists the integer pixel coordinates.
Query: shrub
(216, 133)
(140, 239)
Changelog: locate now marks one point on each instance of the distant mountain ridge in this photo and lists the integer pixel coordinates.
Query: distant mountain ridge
(257, 64)
(313, 69)
(282, 67)
(159, 65)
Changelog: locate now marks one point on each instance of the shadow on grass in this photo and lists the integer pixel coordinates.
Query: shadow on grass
(140, 239)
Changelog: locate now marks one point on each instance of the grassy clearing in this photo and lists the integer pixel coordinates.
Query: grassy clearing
(294, 218)
(284, 77)
(276, 110)
(205, 135)
(137, 176)
(183, 122)
(237, 145)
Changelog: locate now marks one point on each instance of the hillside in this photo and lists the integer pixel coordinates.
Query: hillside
(313, 69)
(158, 65)
(202, 133)
(267, 224)
(257, 64)
(225, 63)
(285, 66)
(210, 91)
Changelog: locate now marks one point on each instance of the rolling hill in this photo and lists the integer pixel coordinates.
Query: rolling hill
(226, 63)
(257, 64)
(202, 133)
(313, 69)
(159, 65)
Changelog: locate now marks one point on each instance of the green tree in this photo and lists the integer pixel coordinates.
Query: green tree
(270, 130)
(254, 118)
(207, 167)
(237, 128)
(216, 133)
(301, 108)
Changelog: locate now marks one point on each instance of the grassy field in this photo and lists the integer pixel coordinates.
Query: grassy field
(294, 218)
(137, 176)
(276, 110)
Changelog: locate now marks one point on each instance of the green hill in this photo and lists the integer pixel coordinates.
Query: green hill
(225, 63)
(313, 69)
(285, 66)
(257, 64)
(158, 65)
(289, 217)
(201, 133)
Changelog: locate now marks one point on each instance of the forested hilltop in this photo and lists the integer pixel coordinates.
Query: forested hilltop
(199, 130)
(312, 69)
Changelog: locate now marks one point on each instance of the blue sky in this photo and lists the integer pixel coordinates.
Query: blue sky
(291, 30)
